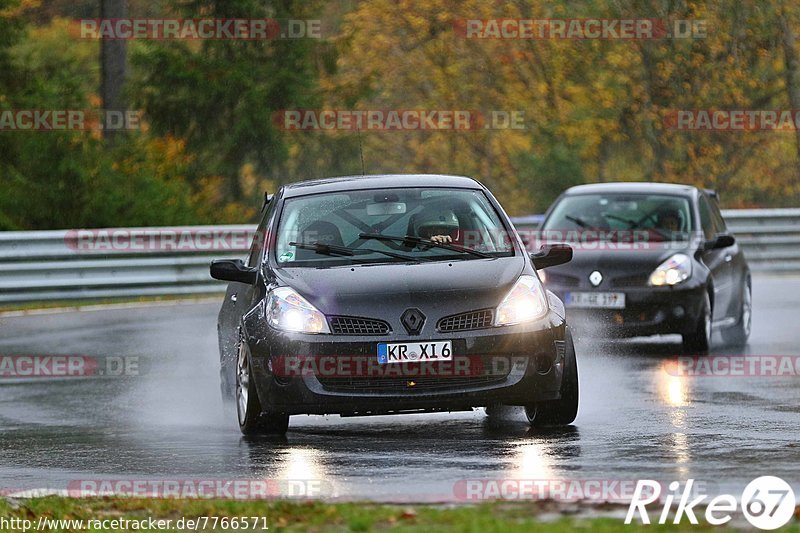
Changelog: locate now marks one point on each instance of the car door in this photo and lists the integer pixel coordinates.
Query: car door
(737, 267)
(717, 260)
(239, 296)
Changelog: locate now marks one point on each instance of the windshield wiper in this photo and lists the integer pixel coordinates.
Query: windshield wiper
(582, 223)
(332, 249)
(636, 224)
(418, 240)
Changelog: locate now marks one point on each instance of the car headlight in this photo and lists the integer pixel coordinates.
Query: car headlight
(674, 270)
(289, 311)
(526, 301)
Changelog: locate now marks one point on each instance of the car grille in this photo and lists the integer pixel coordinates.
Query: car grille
(403, 385)
(347, 325)
(636, 280)
(466, 321)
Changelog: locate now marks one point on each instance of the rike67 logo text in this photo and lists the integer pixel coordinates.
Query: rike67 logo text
(767, 503)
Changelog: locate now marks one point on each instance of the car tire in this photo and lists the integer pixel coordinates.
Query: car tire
(699, 341)
(738, 334)
(563, 411)
(252, 419)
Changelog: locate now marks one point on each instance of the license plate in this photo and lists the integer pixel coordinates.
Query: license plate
(407, 352)
(600, 300)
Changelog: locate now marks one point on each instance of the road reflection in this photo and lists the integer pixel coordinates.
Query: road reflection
(529, 461)
(300, 463)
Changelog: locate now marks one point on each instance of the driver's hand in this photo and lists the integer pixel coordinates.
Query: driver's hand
(442, 239)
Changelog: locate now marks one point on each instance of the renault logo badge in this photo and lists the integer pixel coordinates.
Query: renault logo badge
(595, 278)
(412, 320)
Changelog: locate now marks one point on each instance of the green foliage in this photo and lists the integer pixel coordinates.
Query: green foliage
(219, 95)
(547, 175)
(595, 110)
(58, 179)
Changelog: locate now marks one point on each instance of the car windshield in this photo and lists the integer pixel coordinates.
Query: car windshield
(351, 227)
(656, 217)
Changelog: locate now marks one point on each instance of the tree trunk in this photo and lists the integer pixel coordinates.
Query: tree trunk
(113, 65)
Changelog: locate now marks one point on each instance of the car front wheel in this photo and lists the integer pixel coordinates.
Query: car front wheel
(737, 334)
(252, 420)
(563, 411)
(699, 341)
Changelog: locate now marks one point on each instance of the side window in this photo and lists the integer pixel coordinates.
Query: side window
(259, 238)
(716, 214)
(706, 221)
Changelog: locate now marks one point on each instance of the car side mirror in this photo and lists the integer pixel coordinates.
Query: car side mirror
(551, 255)
(233, 270)
(720, 241)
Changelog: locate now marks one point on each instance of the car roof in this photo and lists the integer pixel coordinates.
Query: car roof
(632, 187)
(378, 181)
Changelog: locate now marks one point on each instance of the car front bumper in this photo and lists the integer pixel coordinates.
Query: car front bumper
(648, 311)
(512, 365)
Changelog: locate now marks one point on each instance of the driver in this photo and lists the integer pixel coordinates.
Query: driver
(438, 225)
(669, 219)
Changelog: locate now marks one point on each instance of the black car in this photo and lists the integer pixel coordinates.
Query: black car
(650, 258)
(391, 294)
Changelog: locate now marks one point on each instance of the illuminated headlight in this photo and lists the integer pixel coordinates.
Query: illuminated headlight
(289, 311)
(674, 270)
(525, 302)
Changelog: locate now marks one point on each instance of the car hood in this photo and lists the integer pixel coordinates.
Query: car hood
(618, 267)
(386, 290)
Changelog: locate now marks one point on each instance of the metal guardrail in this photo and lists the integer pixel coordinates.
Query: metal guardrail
(115, 263)
(134, 262)
(770, 238)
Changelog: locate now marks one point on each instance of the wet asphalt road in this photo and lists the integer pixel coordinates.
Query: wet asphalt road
(636, 419)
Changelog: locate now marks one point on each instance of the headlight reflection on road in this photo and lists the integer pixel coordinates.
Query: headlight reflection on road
(301, 473)
(300, 463)
(673, 390)
(529, 461)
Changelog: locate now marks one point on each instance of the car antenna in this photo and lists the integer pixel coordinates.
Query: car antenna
(361, 151)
